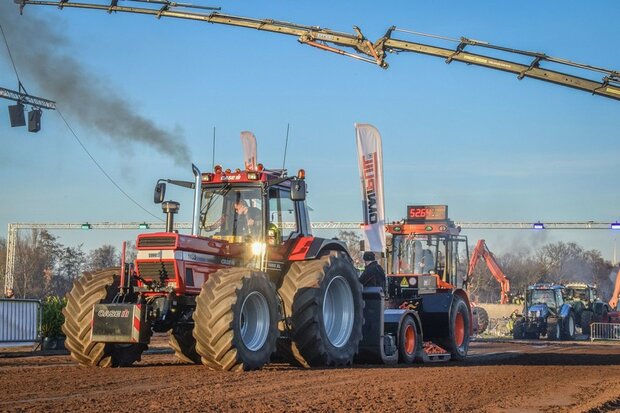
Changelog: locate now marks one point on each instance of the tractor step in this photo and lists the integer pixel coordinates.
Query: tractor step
(432, 353)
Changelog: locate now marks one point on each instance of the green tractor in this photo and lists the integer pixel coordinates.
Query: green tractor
(588, 307)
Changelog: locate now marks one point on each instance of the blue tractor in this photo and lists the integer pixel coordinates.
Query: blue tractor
(545, 314)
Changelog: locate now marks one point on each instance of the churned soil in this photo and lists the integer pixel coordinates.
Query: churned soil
(497, 377)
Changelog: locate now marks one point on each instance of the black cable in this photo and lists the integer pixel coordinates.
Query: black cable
(102, 170)
(10, 55)
(76, 137)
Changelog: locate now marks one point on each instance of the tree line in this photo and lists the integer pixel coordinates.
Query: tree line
(46, 267)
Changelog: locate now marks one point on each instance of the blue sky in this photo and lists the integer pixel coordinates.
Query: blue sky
(491, 147)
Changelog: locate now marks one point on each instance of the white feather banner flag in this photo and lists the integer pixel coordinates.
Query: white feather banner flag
(370, 158)
(248, 141)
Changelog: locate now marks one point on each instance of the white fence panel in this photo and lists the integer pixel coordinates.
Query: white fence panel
(604, 331)
(20, 321)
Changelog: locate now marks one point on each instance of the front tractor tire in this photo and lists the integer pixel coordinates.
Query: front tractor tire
(90, 289)
(457, 342)
(323, 306)
(236, 320)
(182, 341)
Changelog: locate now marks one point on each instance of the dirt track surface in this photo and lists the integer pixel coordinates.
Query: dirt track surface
(497, 377)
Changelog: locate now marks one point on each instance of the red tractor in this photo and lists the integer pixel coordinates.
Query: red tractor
(250, 279)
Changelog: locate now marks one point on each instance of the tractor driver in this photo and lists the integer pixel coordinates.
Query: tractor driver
(247, 220)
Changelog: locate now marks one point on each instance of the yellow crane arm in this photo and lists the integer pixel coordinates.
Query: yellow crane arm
(609, 86)
(326, 39)
(310, 35)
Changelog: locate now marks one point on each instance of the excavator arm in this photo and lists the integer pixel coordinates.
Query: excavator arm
(613, 303)
(364, 50)
(482, 252)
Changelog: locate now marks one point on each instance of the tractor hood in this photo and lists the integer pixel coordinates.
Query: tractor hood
(538, 310)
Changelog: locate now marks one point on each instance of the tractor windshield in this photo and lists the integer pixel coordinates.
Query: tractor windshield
(415, 255)
(234, 214)
(542, 297)
(580, 294)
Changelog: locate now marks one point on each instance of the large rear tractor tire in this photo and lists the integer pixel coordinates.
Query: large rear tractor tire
(586, 321)
(236, 320)
(407, 341)
(183, 343)
(88, 290)
(568, 330)
(457, 342)
(324, 310)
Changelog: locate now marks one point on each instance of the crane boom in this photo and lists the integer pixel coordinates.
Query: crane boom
(326, 39)
(482, 252)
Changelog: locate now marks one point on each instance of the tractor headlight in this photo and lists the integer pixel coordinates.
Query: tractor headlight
(258, 248)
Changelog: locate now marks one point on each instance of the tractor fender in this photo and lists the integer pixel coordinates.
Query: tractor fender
(564, 311)
(436, 309)
(309, 248)
(392, 319)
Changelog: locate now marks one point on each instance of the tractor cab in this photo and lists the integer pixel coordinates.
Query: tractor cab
(580, 292)
(424, 254)
(543, 299)
(250, 218)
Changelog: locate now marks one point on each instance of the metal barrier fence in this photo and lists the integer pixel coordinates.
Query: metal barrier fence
(20, 321)
(604, 331)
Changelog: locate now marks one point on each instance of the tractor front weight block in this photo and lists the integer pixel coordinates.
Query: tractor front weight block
(120, 323)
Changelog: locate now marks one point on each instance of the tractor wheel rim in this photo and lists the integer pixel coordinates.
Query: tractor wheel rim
(409, 340)
(255, 321)
(338, 311)
(557, 331)
(459, 329)
(571, 326)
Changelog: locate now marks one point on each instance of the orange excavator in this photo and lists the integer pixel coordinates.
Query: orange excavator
(482, 251)
(613, 303)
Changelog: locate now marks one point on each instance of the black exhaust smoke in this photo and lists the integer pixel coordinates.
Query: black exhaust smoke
(37, 49)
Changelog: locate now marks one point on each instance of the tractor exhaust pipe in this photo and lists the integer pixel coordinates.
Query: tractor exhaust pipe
(197, 195)
(170, 208)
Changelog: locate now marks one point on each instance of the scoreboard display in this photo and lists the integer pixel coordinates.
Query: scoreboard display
(425, 213)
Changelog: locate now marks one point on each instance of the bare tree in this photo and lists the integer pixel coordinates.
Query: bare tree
(352, 240)
(36, 255)
(71, 263)
(102, 257)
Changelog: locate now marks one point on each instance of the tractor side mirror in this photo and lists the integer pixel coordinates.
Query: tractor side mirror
(298, 190)
(160, 192)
